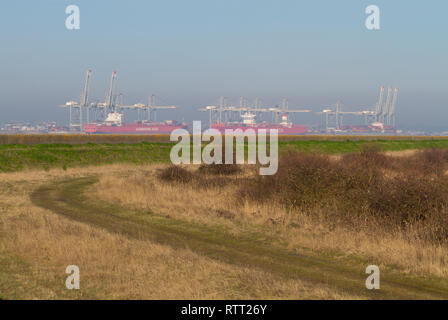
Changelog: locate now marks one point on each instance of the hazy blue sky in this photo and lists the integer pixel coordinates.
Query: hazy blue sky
(191, 52)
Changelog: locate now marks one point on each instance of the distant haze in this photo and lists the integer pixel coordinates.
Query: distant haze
(191, 52)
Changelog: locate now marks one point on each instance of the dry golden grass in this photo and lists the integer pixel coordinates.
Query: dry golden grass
(38, 245)
(143, 190)
(394, 153)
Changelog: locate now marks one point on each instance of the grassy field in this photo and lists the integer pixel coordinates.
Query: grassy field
(39, 238)
(15, 157)
(45, 156)
(140, 228)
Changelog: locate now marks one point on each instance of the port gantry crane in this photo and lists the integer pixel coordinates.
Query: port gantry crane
(334, 115)
(229, 112)
(284, 108)
(75, 108)
(109, 104)
(112, 103)
(146, 109)
(216, 112)
(383, 113)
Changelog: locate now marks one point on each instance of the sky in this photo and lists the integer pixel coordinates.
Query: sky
(191, 52)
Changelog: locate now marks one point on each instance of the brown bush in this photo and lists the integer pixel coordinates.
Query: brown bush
(428, 162)
(433, 161)
(219, 169)
(357, 186)
(175, 173)
(370, 157)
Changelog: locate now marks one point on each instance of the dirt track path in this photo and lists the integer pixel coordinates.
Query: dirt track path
(68, 198)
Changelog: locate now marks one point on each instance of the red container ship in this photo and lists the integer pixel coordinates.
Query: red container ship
(114, 125)
(376, 127)
(284, 127)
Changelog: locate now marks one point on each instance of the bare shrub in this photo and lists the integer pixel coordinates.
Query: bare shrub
(369, 157)
(223, 168)
(433, 161)
(428, 162)
(219, 169)
(356, 187)
(175, 173)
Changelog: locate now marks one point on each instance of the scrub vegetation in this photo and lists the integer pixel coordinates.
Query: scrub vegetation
(145, 229)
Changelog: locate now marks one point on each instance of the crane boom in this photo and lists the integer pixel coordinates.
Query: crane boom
(394, 102)
(379, 104)
(385, 110)
(109, 99)
(85, 91)
(391, 114)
